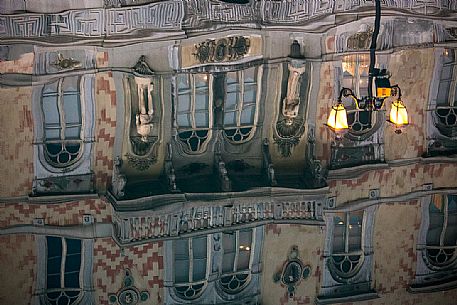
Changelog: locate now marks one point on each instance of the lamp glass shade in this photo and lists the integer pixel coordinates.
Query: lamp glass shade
(337, 119)
(398, 114)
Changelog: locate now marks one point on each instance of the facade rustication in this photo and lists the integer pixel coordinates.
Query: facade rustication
(193, 152)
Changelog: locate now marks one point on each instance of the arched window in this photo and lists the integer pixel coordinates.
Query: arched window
(347, 254)
(62, 119)
(190, 267)
(240, 107)
(236, 260)
(355, 76)
(63, 269)
(445, 117)
(193, 112)
(442, 231)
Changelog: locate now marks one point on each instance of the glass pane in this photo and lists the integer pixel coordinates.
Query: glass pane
(443, 93)
(247, 115)
(50, 88)
(184, 102)
(230, 119)
(72, 108)
(73, 245)
(435, 228)
(50, 110)
(54, 245)
(450, 238)
(199, 247)
(183, 120)
(228, 242)
(183, 81)
(228, 262)
(71, 280)
(232, 78)
(250, 75)
(70, 84)
(347, 81)
(249, 95)
(446, 73)
(182, 271)
(448, 56)
(201, 101)
(73, 262)
(181, 249)
(245, 239)
(201, 81)
(54, 265)
(52, 133)
(53, 281)
(338, 233)
(355, 231)
(199, 270)
(201, 119)
(232, 100)
(243, 259)
(72, 132)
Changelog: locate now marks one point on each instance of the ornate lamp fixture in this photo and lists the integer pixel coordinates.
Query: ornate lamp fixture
(337, 120)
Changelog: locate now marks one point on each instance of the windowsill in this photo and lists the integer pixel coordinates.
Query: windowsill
(345, 299)
(434, 286)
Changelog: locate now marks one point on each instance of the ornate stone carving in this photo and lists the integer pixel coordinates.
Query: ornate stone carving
(140, 163)
(128, 294)
(118, 180)
(289, 127)
(141, 67)
(66, 63)
(292, 272)
(360, 40)
(318, 174)
(222, 50)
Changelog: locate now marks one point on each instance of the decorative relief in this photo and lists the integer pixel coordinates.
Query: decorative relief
(222, 50)
(118, 180)
(66, 63)
(166, 15)
(140, 163)
(360, 40)
(141, 67)
(289, 126)
(128, 294)
(149, 227)
(292, 272)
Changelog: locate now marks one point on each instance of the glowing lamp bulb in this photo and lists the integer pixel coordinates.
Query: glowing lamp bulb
(398, 114)
(337, 119)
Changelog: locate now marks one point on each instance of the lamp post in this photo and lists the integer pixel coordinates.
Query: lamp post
(337, 120)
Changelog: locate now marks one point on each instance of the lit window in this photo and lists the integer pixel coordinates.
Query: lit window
(63, 268)
(442, 231)
(355, 77)
(61, 107)
(240, 104)
(193, 113)
(237, 249)
(347, 254)
(190, 266)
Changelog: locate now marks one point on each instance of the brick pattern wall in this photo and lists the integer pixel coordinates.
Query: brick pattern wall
(277, 244)
(16, 136)
(144, 261)
(17, 265)
(24, 64)
(105, 129)
(62, 214)
(394, 181)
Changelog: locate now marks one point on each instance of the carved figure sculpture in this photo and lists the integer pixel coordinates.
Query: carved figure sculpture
(291, 102)
(118, 180)
(144, 118)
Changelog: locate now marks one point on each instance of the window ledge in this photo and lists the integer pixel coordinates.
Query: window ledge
(324, 300)
(434, 286)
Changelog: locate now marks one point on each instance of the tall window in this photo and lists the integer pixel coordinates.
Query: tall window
(442, 231)
(347, 254)
(446, 101)
(61, 107)
(237, 249)
(193, 113)
(63, 268)
(191, 268)
(240, 104)
(355, 76)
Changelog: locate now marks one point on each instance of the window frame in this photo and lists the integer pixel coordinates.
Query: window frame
(60, 98)
(87, 294)
(202, 146)
(240, 104)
